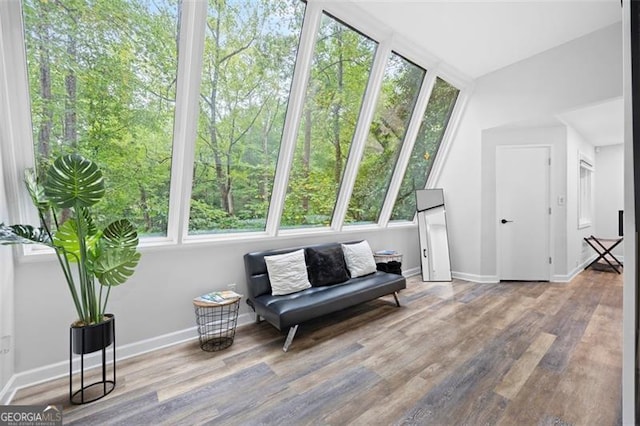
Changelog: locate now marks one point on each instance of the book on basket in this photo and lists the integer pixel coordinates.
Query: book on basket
(218, 296)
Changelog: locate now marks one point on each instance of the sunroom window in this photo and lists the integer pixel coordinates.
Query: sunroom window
(102, 80)
(400, 88)
(340, 71)
(434, 123)
(249, 57)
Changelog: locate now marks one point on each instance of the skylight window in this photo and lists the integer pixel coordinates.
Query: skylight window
(339, 75)
(434, 123)
(400, 88)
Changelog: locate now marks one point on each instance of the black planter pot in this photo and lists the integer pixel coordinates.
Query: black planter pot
(85, 340)
(94, 337)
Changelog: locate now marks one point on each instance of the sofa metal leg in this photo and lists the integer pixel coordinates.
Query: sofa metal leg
(258, 319)
(395, 296)
(290, 336)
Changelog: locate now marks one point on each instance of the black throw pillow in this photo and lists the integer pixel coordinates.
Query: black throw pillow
(326, 266)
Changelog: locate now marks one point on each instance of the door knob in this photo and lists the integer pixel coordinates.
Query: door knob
(505, 221)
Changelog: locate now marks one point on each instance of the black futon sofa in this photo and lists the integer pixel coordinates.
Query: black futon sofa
(286, 312)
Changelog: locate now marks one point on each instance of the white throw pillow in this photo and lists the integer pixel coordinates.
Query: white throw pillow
(359, 258)
(287, 272)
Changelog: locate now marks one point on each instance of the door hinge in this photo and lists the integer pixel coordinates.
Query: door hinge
(550, 262)
(549, 160)
(549, 210)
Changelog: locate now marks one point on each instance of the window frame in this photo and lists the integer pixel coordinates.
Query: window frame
(585, 194)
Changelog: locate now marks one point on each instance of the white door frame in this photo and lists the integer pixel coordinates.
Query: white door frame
(550, 227)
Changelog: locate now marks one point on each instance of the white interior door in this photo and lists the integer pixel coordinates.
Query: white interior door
(523, 213)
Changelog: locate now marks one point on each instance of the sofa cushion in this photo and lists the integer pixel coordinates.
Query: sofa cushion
(359, 259)
(326, 266)
(287, 272)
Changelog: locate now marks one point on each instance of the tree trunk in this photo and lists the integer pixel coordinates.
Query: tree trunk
(337, 109)
(70, 114)
(145, 209)
(306, 156)
(220, 175)
(264, 173)
(46, 121)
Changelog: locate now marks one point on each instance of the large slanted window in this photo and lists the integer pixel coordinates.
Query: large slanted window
(340, 71)
(249, 56)
(434, 123)
(400, 88)
(102, 79)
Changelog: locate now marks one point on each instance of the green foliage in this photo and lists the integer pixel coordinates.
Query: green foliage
(339, 76)
(73, 181)
(400, 88)
(425, 149)
(113, 268)
(103, 76)
(68, 239)
(23, 234)
(73, 185)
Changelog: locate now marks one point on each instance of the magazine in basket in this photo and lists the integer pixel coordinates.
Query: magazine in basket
(218, 296)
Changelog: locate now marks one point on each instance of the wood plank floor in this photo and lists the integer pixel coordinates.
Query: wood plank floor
(454, 353)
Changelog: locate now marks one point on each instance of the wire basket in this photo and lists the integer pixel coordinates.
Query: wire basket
(216, 324)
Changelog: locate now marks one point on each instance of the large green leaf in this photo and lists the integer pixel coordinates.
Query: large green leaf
(120, 234)
(36, 190)
(86, 222)
(23, 234)
(67, 238)
(73, 181)
(114, 267)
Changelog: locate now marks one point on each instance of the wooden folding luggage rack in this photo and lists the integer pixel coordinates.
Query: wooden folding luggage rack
(603, 247)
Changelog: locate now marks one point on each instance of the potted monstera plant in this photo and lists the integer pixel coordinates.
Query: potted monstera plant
(92, 261)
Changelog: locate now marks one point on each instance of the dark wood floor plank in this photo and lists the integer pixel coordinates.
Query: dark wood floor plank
(453, 353)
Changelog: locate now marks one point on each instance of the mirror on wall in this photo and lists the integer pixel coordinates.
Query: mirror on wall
(434, 243)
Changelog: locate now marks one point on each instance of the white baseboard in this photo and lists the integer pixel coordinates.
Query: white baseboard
(61, 369)
(474, 278)
(566, 278)
(411, 272)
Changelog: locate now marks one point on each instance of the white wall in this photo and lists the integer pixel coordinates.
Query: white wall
(581, 72)
(629, 295)
(578, 251)
(6, 296)
(157, 300)
(6, 253)
(609, 191)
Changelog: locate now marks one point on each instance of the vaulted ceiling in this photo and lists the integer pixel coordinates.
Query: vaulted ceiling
(478, 37)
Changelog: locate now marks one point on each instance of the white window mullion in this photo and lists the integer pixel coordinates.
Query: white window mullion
(359, 141)
(192, 27)
(407, 147)
(310, 27)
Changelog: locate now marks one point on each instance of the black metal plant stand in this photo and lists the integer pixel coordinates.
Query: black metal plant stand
(79, 340)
